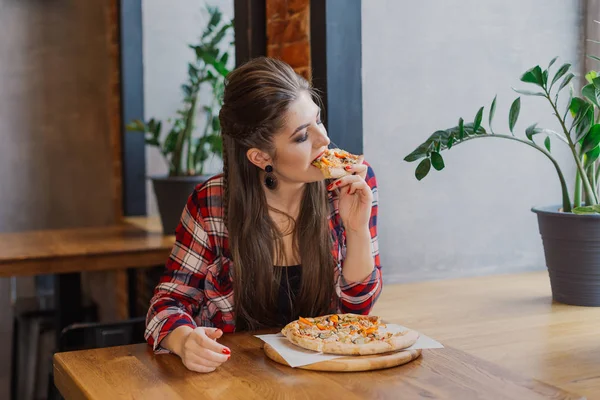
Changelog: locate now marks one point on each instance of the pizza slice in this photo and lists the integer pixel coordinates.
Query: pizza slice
(347, 334)
(333, 161)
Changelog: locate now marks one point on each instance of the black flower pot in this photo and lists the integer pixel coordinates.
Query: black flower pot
(572, 250)
(172, 194)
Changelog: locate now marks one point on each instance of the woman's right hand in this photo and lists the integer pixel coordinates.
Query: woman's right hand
(200, 350)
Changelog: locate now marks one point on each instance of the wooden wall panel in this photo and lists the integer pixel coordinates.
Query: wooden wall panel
(60, 154)
(59, 126)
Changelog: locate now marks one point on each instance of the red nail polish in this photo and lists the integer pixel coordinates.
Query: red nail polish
(347, 167)
(330, 187)
(226, 351)
(349, 189)
(338, 183)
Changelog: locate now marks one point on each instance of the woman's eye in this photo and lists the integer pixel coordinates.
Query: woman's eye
(302, 138)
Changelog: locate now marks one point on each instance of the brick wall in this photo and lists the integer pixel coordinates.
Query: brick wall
(288, 33)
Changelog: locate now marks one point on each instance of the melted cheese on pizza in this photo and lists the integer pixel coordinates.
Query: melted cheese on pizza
(335, 158)
(344, 329)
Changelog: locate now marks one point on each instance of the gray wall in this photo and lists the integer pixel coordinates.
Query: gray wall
(425, 64)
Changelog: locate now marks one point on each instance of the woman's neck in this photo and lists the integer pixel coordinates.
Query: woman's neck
(285, 198)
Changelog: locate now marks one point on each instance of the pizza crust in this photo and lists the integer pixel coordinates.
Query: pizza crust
(398, 341)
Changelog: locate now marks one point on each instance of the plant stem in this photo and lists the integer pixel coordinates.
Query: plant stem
(577, 195)
(589, 176)
(565, 190)
(589, 192)
(597, 173)
(593, 176)
(189, 128)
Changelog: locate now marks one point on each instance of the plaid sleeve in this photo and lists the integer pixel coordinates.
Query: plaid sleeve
(179, 293)
(360, 297)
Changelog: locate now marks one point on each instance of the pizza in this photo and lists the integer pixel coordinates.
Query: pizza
(333, 161)
(347, 334)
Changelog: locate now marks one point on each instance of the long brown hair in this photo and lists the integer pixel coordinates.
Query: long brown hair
(257, 97)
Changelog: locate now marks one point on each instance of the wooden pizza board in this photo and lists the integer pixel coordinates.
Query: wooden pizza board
(353, 363)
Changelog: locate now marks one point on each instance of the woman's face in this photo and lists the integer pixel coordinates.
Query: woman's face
(300, 142)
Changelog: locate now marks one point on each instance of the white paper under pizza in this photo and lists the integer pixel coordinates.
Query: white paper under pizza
(296, 356)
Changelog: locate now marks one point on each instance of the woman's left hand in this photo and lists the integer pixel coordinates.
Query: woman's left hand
(355, 198)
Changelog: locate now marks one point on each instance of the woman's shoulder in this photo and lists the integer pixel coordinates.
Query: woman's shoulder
(208, 197)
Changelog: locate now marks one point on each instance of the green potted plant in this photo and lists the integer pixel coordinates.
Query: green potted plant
(184, 153)
(570, 231)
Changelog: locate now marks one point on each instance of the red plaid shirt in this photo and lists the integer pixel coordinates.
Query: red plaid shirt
(196, 288)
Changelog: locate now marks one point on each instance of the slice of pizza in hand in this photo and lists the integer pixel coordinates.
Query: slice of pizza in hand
(333, 161)
(347, 334)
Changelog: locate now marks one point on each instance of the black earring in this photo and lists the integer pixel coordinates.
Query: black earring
(270, 179)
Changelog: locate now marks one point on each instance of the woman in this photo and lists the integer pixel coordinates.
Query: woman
(268, 240)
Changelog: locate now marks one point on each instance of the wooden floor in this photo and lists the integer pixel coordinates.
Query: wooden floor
(509, 320)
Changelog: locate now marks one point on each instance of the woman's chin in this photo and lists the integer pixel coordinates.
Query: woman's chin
(315, 175)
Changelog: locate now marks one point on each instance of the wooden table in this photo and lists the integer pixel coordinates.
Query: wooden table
(509, 320)
(136, 243)
(133, 372)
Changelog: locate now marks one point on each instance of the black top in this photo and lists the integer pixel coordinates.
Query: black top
(288, 290)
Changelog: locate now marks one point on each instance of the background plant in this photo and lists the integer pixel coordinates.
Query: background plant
(581, 134)
(184, 154)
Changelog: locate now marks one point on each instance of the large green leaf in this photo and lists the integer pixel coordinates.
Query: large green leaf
(216, 123)
(157, 129)
(216, 64)
(513, 114)
(592, 139)
(592, 93)
(477, 121)
(423, 169)
(533, 75)
(152, 142)
(419, 152)
(220, 35)
(200, 153)
(590, 76)
(576, 104)
(492, 112)
(216, 144)
(566, 81)
(529, 92)
(215, 17)
(437, 161)
(532, 130)
(171, 141)
(438, 136)
(470, 130)
(450, 142)
(592, 156)
(547, 143)
(583, 121)
(587, 210)
(559, 74)
(224, 58)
